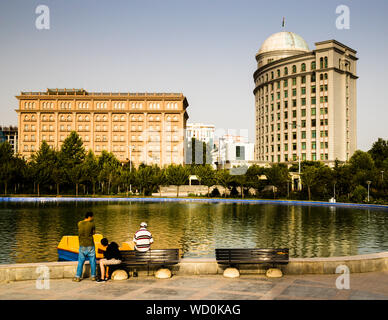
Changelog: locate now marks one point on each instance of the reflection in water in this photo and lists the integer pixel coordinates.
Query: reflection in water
(30, 233)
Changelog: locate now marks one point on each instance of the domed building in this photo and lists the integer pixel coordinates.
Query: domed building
(305, 100)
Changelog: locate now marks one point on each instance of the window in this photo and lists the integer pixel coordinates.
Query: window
(303, 134)
(313, 134)
(285, 71)
(285, 84)
(303, 90)
(326, 62)
(313, 65)
(313, 111)
(294, 81)
(293, 69)
(313, 100)
(303, 67)
(293, 92)
(304, 79)
(303, 101)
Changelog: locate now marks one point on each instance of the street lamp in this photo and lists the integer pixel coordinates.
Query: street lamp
(368, 182)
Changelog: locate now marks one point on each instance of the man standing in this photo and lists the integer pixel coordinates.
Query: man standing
(86, 230)
(143, 238)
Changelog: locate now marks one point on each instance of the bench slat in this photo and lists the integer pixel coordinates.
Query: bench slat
(253, 255)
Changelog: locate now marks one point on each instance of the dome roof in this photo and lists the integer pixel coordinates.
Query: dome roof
(284, 41)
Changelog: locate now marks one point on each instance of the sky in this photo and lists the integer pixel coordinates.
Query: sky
(203, 48)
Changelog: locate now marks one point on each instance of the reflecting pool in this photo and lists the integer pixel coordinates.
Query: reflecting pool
(31, 232)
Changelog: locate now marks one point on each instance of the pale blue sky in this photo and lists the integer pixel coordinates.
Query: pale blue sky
(203, 48)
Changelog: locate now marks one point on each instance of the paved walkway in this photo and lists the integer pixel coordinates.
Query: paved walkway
(369, 286)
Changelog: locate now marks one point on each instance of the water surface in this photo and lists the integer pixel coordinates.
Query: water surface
(31, 232)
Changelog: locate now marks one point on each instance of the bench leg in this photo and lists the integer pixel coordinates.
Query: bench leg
(231, 272)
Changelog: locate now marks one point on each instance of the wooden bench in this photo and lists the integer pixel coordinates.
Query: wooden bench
(235, 257)
(153, 257)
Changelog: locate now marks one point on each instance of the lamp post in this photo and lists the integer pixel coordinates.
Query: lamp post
(368, 182)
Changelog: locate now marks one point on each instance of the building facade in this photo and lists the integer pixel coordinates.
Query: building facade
(235, 151)
(305, 100)
(202, 135)
(10, 134)
(141, 127)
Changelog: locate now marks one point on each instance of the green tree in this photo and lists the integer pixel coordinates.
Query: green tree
(177, 175)
(109, 168)
(224, 179)
(72, 155)
(6, 164)
(278, 176)
(253, 175)
(58, 173)
(379, 153)
(146, 179)
(309, 178)
(91, 170)
(206, 176)
(42, 164)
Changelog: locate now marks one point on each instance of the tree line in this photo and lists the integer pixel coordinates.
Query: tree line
(71, 170)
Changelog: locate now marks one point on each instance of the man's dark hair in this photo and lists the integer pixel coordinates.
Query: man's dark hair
(104, 241)
(88, 214)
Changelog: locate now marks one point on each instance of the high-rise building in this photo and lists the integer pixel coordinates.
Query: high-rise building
(141, 127)
(305, 100)
(10, 134)
(202, 135)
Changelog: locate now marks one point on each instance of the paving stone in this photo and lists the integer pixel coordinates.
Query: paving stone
(165, 294)
(248, 286)
(363, 295)
(308, 282)
(229, 296)
(310, 292)
(192, 283)
(106, 289)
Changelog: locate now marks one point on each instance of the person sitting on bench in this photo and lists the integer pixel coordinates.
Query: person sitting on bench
(143, 238)
(101, 248)
(112, 256)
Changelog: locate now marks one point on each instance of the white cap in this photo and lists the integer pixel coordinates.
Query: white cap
(143, 224)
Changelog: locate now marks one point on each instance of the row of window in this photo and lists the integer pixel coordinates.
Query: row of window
(324, 145)
(323, 111)
(98, 118)
(99, 105)
(294, 135)
(323, 76)
(323, 156)
(270, 76)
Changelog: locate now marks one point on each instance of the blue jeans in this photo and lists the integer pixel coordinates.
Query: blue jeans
(84, 253)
